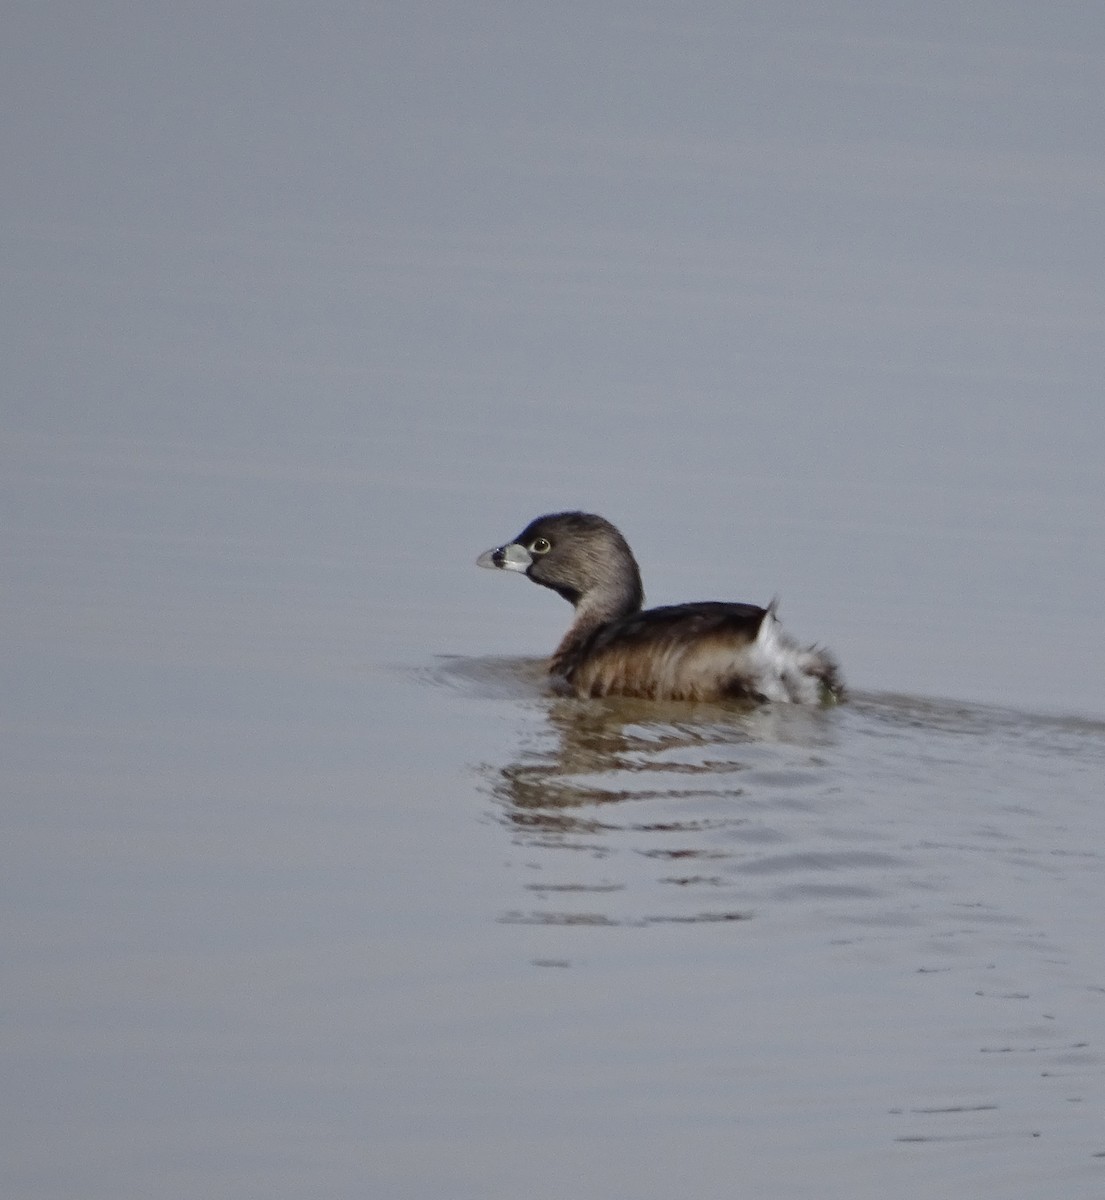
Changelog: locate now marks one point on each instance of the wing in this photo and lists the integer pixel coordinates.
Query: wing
(681, 652)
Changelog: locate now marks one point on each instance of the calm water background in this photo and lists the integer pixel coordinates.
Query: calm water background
(310, 889)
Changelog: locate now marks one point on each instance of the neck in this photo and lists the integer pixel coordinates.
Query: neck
(594, 610)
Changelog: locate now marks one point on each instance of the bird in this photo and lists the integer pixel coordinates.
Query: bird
(703, 651)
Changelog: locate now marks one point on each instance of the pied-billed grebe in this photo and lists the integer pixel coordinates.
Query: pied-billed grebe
(705, 651)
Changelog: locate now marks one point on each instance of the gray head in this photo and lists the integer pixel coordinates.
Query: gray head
(580, 556)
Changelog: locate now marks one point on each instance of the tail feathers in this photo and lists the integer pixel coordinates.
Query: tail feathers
(821, 664)
(804, 675)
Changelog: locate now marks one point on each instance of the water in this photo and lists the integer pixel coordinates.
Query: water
(603, 947)
(310, 887)
(821, 938)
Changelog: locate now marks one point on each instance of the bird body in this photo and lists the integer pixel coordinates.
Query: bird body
(709, 650)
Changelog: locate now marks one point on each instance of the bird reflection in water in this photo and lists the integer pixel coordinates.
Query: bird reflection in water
(631, 787)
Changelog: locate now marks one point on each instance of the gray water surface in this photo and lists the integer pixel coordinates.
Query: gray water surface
(613, 948)
(311, 888)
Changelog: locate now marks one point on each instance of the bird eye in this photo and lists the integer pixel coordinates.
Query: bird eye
(540, 545)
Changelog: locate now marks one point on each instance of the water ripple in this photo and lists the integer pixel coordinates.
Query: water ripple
(840, 817)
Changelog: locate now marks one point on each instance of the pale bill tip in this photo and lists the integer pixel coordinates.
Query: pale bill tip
(512, 557)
